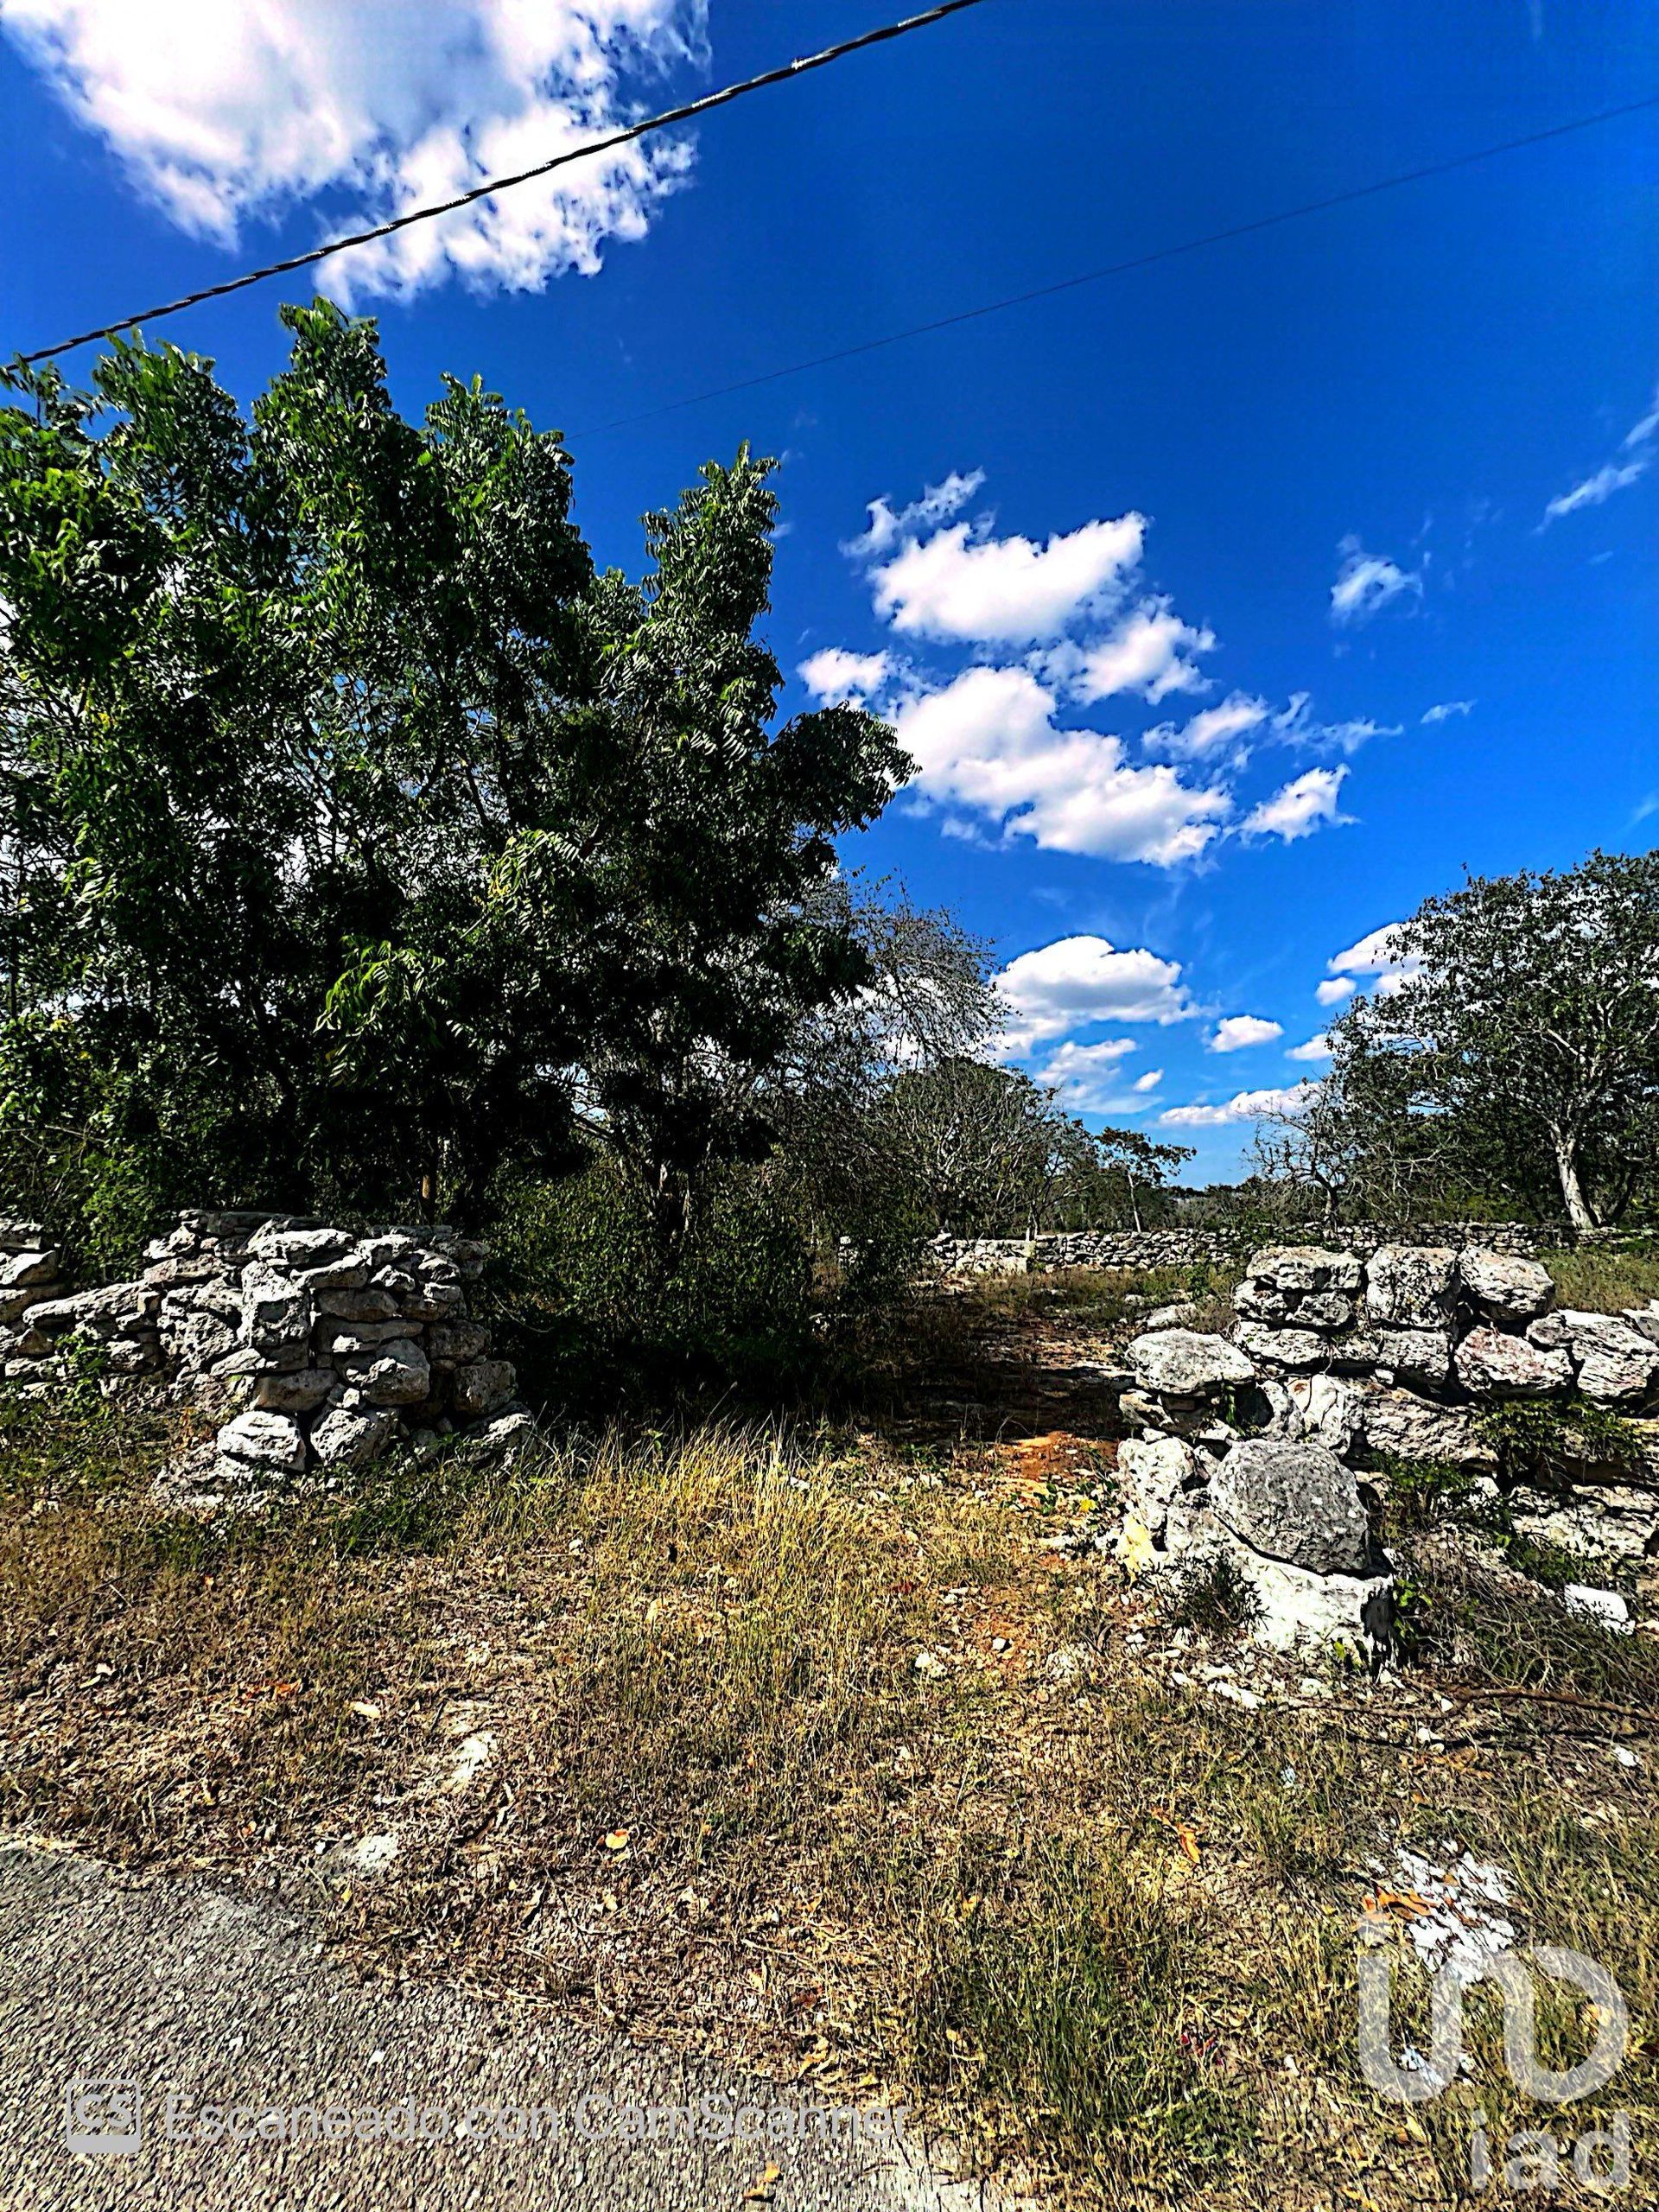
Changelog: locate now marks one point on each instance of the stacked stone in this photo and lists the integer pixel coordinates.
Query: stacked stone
(1188, 1247)
(1283, 1508)
(30, 1274)
(1469, 1325)
(322, 1346)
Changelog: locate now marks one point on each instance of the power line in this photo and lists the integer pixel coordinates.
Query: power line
(691, 110)
(1123, 268)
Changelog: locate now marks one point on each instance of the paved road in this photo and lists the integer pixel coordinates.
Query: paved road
(176, 1987)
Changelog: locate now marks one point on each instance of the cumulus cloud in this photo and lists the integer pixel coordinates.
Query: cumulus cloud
(246, 108)
(836, 676)
(1148, 653)
(1377, 961)
(1335, 989)
(962, 584)
(1317, 1048)
(1244, 1106)
(1150, 1081)
(1640, 442)
(1239, 1030)
(1447, 708)
(1367, 582)
(1301, 807)
(1084, 1077)
(937, 505)
(1212, 730)
(989, 742)
(1085, 983)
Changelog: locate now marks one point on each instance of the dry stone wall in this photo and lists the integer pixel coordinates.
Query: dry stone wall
(1253, 1445)
(317, 1348)
(1184, 1247)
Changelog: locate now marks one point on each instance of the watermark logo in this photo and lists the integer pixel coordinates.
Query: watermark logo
(102, 2116)
(1529, 2158)
(1416, 2084)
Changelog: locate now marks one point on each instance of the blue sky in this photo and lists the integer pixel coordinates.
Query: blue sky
(1169, 574)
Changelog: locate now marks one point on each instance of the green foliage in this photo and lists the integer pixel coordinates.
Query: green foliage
(1520, 1053)
(588, 1316)
(1422, 1491)
(360, 840)
(1548, 1440)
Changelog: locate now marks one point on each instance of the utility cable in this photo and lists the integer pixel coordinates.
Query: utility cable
(688, 113)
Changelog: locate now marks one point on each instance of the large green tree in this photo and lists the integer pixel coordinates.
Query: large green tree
(358, 838)
(1519, 1053)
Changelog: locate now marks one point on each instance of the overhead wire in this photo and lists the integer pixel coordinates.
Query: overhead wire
(1148, 260)
(687, 112)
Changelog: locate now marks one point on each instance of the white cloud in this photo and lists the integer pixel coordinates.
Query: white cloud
(1377, 959)
(1083, 983)
(1150, 1081)
(1148, 653)
(1296, 726)
(989, 742)
(1085, 1075)
(1317, 1048)
(1239, 1030)
(1593, 491)
(1300, 808)
(937, 505)
(1367, 582)
(835, 674)
(1335, 989)
(1244, 1106)
(241, 109)
(1210, 730)
(960, 584)
(1447, 708)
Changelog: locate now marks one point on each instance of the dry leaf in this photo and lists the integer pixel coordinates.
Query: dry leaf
(759, 2191)
(618, 1839)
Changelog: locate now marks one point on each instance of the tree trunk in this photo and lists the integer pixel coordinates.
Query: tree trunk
(1578, 1210)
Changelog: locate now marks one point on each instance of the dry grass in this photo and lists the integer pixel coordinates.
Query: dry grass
(644, 1716)
(1595, 1281)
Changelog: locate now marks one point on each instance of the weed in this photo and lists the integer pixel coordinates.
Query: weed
(1213, 1598)
(1543, 1439)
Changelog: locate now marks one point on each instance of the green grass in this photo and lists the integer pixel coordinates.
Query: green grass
(1592, 1280)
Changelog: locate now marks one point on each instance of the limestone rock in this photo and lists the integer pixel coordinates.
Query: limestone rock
(119, 1309)
(1508, 1289)
(1305, 1267)
(1186, 1363)
(298, 1393)
(1297, 1608)
(1416, 1356)
(1411, 1285)
(350, 1436)
(391, 1374)
(1153, 1470)
(1491, 1365)
(1617, 1362)
(482, 1386)
(24, 1270)
(373, 1302)
(453, 1340)
(277, 1314)
(1295, 1502)
(270, 1441)
(291, 1249)
(1282, 1348)
(1324, 1411)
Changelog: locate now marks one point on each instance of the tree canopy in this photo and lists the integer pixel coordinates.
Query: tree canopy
(358, 837)
(1519, 1053)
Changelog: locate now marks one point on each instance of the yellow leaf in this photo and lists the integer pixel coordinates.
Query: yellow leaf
(618, 1839)
(759, 2190)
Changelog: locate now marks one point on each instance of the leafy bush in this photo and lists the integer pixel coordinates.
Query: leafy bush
(1544, 1439)
(588, 1310)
